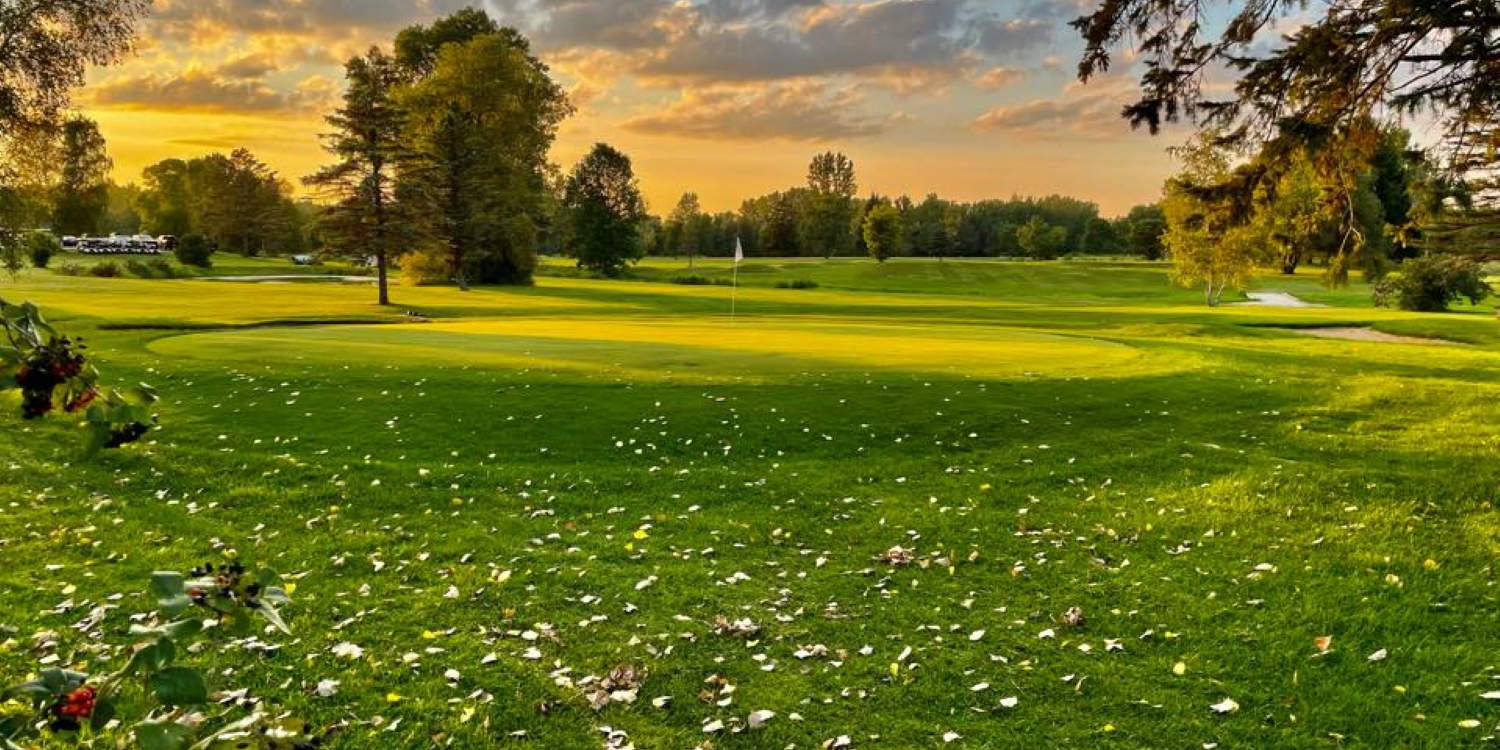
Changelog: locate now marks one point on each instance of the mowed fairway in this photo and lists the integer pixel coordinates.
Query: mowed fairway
(746, 349)
(501, 505)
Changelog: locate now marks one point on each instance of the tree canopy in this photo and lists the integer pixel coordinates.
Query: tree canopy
(1323, 89)
(47, 46)
(603, 210)
(363, 214)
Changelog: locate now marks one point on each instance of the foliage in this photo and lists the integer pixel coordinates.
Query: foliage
(1208, 248)
(829, 211)
(194, 250)
(106, 270)
(47, 47)
(1320, 93)
(688, 230)
(427, 267)
(1143, 230)
(363, 217)
(931, 227)
(221, 599)
(1099, 237)
(1041, 240)
(240, 203)
(882, 231)
(1345, 62)
(51, 372)
(1430, 283)
(603, 208)
(40, 247)
(1295, 215)
(480, 124)
(417, 47)
(82, 193)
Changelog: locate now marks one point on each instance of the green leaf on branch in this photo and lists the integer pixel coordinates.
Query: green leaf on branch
(179, 686)
(170, 589)
(176, 630)
(268, 611)
(153, 658)
(163, 735)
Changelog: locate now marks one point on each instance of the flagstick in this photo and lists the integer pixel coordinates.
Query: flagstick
(734, 292)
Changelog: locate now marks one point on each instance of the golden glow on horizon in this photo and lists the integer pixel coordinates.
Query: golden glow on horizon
(962, 131)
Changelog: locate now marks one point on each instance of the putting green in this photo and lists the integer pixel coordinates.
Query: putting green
(676, 347)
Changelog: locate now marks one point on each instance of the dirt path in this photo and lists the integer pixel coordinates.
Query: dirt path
(1274, 299)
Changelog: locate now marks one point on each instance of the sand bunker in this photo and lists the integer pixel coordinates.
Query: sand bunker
(1368, 334)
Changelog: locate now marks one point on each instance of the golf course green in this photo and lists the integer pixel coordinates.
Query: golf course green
(859, 510)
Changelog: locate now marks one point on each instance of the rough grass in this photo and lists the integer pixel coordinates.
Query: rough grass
(1210, 493)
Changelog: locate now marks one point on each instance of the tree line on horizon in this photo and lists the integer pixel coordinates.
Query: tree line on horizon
(438, 158)
(439, 162)
(815, 221)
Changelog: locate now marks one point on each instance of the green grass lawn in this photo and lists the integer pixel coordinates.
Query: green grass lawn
(544, 483)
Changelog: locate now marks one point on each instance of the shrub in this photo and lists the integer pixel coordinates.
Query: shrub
(696, 280)
(797, 284)
(1432, 282)
(194, 250)
(40, 247)
(426, 268)
(161, 269)
(70, 269)
(107, 270)
(156, 268)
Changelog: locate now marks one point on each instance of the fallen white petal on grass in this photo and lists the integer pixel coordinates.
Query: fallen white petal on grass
(1226, 706)
(758, 719)
(347, 650)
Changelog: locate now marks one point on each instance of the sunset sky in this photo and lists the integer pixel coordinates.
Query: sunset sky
(729, 98)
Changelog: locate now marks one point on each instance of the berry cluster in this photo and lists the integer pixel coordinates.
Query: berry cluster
(125, 435)
(228, 586)
(43, 373)
(73, 709)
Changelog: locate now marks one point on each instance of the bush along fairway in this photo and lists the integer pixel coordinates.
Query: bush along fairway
(910, 508)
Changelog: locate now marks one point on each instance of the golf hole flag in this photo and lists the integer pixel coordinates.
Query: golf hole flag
(734, 286)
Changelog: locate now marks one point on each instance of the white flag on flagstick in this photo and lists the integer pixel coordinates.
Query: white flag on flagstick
(739, 251)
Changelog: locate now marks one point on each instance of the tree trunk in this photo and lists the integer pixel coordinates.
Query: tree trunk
(1289, 262)
(385, 295)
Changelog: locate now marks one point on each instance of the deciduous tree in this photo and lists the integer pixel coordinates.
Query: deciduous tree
(830, 208)
(82, 193)
(480, 124)
(882, 231)
(604, 209)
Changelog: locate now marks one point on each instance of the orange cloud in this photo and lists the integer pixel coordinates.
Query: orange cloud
(799, 111)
